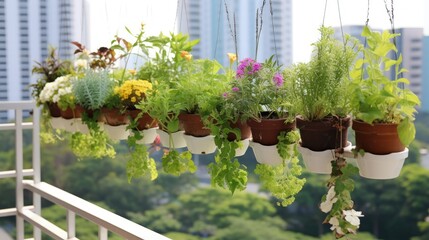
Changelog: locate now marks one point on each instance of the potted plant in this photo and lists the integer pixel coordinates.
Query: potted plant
(382, 107)
(196, 89)
(164, 70)
(48, 71)
(92, 91)
(319, 90)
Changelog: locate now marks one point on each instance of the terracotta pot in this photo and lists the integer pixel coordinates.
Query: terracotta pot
(323, 134)
(266, 131)
(145, 121)
(379, 138)
(114, 117)
(244, 130)
(75, 112)
(54, 110)
(193, 125)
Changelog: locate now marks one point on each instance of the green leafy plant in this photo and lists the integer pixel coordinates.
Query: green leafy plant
(140, 163)
(93, 145)
(49, 70)
(93, 89)
(283, 181)
(376, 98)
(319, 88)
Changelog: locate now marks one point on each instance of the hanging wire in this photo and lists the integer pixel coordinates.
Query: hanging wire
(186, 15)
(218, 28)
(83, 22)
(341, 23)
(274, 33)
(177, 15)
(324, 13)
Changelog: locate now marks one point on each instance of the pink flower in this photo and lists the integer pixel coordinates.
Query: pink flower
(248, 66)
(278, 79)
(225, 95)
(235, 89)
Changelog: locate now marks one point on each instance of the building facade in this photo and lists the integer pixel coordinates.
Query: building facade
(209, 21)
(27, 28)
(425, 78)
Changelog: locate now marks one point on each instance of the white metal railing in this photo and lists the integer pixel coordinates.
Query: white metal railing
(106, 221)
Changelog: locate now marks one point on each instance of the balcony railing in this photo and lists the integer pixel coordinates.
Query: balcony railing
(105, 220)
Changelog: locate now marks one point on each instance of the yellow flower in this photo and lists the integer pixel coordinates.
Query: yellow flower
(132, 71)
(183, 53)
(232, 57)
(188, 57)
(133, 99)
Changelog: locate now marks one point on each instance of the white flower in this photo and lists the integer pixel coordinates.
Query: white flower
(335, 225)
(81, 63)
(53, 91)
(326, 206)
(352, 217)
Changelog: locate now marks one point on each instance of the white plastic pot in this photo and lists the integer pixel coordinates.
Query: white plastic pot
(266, 154)
(244, 144)
(381, 166)
(319, 161)
(178, 139)
(200, 145)
(116, 132)
(75, 125)
(149, 135)
(57, 122)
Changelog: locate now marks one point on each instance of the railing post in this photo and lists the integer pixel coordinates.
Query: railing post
(19, 176)
(102, 233)
(37, 235)
(71, 224)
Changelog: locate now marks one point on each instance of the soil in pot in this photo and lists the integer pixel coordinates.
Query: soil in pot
(245, 131)
(323, 134)
(54, 110)
(266, 130)
(114, 117)
(378, 138)
(145, 121)
(193, 125)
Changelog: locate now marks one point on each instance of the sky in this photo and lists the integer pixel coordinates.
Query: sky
(107, 18)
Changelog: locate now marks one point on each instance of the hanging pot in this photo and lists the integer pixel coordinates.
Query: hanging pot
(268, 154)
(54, 110)
(244, 128)
(145, 121)
(116, 133)
(114, 117)
(193, 125)
(325, 134)
(265, 131)
(378, 138)
(75, 112)
(149, 135)
(177, 138)
(381, 166)
(320, 161)
(200, 145)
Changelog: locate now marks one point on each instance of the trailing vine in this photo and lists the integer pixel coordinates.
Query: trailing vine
(283, 180)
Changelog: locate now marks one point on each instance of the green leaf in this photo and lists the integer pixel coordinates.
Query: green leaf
(406, 131)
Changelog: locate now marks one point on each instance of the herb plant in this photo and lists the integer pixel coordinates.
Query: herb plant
(319, 88)
(376, 98)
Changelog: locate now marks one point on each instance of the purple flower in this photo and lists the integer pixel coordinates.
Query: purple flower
(278, 79)
(225, 95)
(248, 66)
(235, 89)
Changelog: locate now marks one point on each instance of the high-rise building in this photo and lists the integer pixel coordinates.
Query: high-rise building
(209, 21)
(409, 44)
(425, 78)
(27, 28)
